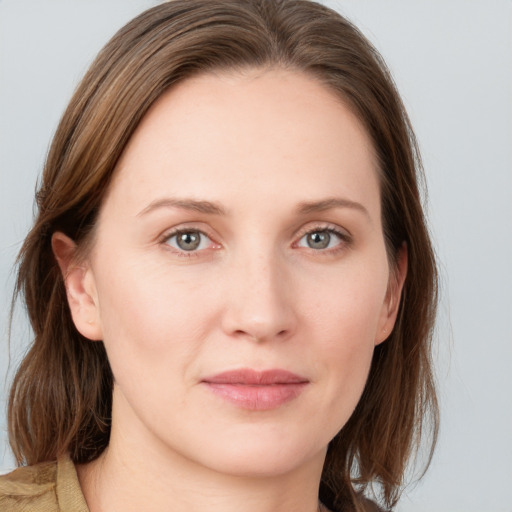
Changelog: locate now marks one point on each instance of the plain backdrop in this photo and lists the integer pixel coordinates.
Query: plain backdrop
(452, 61)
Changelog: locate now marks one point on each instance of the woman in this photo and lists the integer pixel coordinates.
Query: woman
(230, 280)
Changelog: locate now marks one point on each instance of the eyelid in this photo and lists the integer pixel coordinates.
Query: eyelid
(346, 238)
(311, 227)
(177, 230)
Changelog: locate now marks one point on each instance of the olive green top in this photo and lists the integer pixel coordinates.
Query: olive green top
(47, 487)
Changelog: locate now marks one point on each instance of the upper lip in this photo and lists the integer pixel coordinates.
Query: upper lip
(250, 377)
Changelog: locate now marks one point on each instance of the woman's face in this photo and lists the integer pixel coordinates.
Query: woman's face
(239, 276)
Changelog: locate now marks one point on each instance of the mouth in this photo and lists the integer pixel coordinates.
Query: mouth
(256, 390)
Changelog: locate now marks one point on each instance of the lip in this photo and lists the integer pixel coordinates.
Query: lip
(256, 390)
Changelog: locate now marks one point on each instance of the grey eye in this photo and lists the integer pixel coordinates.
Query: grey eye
(188, 240)
(318, 239)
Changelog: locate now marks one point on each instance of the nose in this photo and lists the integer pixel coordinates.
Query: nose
(259, 303)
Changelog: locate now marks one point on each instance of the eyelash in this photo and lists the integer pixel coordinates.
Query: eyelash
(182, 231)
(345, 240)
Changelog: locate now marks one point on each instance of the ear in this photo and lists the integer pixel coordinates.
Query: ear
(80, 287)
(393, 295)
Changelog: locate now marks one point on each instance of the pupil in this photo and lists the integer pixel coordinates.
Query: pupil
(188, 241)
(319, 240)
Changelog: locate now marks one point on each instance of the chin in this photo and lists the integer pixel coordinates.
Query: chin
(260, 454)
(262, 465)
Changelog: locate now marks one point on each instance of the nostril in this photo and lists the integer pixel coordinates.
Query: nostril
(260, 336)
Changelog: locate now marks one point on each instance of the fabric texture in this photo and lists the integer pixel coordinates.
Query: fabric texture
(46, 487)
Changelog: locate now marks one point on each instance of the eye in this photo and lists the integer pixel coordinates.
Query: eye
(188, 241)
(321, 239)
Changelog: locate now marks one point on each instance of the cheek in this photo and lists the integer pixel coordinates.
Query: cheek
(347, 305)
(345, 319)
(346, 359)
(149, 318)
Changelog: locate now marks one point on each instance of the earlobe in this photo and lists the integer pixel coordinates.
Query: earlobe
(80, 287)
(393, 296)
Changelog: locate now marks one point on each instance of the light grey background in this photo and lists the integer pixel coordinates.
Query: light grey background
(452, 61)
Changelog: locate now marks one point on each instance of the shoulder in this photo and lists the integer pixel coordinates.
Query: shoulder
(46, 487)
(31, 487)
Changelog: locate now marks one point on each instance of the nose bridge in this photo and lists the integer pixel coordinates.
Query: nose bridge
(259, 301)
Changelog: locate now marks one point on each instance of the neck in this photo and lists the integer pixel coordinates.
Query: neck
(114, 484)
(136, 474)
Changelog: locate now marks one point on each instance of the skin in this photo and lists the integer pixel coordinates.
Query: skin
(276, 156)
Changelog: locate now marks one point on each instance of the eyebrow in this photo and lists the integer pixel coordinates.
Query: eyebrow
(185, 204)
(212, 208)
(330, 203)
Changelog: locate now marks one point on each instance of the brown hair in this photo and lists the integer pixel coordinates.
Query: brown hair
(61, 396)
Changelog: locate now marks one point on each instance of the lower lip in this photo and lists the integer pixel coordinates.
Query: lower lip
(257, 397)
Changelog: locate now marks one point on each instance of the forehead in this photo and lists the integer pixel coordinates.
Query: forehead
(269, 131)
